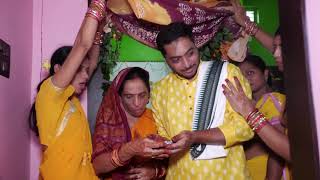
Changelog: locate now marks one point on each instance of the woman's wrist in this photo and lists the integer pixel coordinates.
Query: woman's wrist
(126, 152)
(130, 149)
(256, 120)
(251, 28)
(161, 172)
(97, 10)
(247, 111)
(156, 171)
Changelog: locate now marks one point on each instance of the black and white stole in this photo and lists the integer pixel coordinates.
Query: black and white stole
(209, 107)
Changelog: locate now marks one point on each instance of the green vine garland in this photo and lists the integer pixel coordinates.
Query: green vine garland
(109, 55)
(214, 48)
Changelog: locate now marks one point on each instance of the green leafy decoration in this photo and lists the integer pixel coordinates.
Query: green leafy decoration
(109, 55)
(211, 50)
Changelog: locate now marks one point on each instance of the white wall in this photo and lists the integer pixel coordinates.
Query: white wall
(313, 37)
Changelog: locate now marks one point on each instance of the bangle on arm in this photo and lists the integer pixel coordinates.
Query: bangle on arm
(250, 28)
(251, 114)
(115, 159)
(156, 172)
(97, 10)
(160, 171)
(256, 120)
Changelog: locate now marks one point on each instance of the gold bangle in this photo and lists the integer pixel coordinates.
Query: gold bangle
(115, 158)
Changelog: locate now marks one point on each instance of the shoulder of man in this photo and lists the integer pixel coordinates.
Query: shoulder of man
(234, 71)
(164, 81)
(233, 66)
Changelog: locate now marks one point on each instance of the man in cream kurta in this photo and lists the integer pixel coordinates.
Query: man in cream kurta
(173, 100)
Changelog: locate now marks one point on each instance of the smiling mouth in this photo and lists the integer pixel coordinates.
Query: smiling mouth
(189, 71)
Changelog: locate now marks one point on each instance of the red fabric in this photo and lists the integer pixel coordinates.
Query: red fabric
(112, 127)
(205, 22)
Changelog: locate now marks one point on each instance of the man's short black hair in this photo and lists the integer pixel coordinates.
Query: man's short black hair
(171, 33)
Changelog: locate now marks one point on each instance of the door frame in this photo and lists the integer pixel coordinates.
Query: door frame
(300, 111)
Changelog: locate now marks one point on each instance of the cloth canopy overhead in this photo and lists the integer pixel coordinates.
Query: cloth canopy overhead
(142, 19)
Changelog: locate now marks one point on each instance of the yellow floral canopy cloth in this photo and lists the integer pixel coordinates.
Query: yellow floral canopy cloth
(142, 19)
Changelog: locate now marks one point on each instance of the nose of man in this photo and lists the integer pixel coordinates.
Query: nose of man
(186, 63)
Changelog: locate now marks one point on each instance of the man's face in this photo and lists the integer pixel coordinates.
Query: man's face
(182, 56)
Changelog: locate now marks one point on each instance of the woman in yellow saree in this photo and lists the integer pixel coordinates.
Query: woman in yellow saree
(263, 163)
(62, 124)
(124, 140)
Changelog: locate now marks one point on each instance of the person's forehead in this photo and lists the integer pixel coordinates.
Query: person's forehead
(136, 82)
(246, 65)
(134, 91)
(179, 46)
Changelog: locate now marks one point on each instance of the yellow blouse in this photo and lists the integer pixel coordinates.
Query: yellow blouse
(172, 105)
(64, 129)
(272, 105)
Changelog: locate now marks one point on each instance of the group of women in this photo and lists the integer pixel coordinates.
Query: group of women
(125, 142)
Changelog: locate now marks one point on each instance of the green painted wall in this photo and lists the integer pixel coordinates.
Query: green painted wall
(268, 20)
(134, 51)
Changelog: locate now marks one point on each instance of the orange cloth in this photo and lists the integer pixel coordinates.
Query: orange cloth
(144, 126)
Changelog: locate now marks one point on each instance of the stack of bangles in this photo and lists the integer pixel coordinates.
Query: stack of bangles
(160, 172)
(256, 120)
(250, 28)
(97, 10)
(115, 159)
